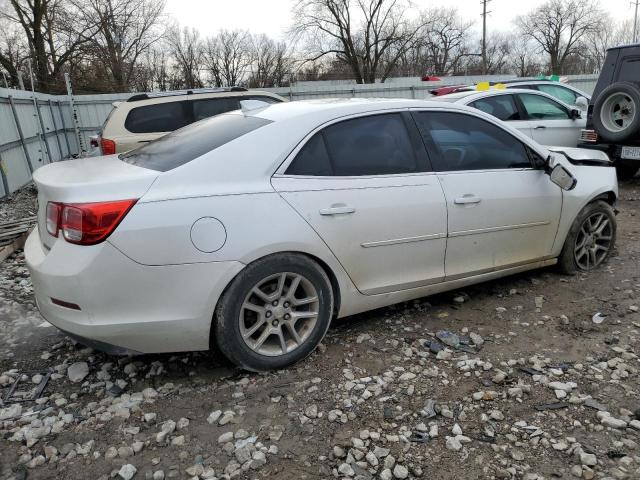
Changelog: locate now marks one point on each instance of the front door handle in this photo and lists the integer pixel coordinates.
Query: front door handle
(467, 199)
(337, 210)
(539, 127)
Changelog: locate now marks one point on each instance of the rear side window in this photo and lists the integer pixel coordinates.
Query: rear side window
(374, 145)
(189, 143)
(561, 93)
(465, 142)
(500, 106)
(161, 117)
(629, 70)
(213, 106)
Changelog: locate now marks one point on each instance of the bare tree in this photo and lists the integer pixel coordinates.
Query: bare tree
(558, 26)
(447, 39)
(272, 62)
(228, 56)
(523, 59)
(367, 35)
(187, 55)
(13, 51)
(52, 35)
(123, 30)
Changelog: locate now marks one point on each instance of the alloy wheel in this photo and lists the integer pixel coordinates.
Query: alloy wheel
(593, 241)
(279, 314)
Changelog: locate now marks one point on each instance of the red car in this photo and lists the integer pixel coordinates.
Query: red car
(450, 89)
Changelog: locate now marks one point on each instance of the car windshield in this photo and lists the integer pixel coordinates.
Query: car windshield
(192, 141)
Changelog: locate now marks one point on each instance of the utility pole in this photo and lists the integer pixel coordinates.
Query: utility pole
(635, 22)
(484, 34)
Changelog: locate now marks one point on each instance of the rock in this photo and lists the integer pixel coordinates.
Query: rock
(453, 444)
(214, 416)
(380, 452)
(444, 355)
(258, 460)
(346, 469)
(588, 459)
(158, 475)
(400, 472)
(372, 459)
(635, 424)
(77, 372)
(477, 340)
(448, 338)
(225, 437)
(127, 472)
(386, 474)
(195, 470)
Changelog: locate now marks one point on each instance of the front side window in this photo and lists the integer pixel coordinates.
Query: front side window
(466, 142)
(373, 145)
(561, 93)
(543, 108)
(161, 117)
(500, 106)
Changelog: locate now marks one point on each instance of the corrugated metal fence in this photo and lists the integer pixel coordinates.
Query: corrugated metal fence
(40, 129)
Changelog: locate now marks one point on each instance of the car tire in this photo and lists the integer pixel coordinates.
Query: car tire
(616, 112)
(253, 321)
(626, 171)
(582, 239)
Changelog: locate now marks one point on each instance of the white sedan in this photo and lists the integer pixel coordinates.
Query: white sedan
(251, 230)
(536, 114)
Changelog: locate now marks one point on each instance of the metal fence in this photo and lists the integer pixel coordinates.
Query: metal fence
(40, 129)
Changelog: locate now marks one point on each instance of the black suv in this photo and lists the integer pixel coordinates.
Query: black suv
(613, 118)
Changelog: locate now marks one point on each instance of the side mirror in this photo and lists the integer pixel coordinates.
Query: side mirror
(582, 103)
(575, 114)
(563, 178)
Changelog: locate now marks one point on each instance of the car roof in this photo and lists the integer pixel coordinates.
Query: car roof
(331, 108)
(459, 97)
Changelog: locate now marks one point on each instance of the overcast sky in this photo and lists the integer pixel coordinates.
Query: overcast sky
(273, 17)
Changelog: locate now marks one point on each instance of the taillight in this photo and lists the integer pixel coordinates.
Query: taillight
(53, 218)
(589, 136)
(87, 223)
(107, 147)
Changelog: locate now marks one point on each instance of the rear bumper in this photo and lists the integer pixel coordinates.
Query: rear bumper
(126, 307)
(614, 150)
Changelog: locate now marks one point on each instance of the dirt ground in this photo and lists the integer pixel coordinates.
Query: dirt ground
(544, 393)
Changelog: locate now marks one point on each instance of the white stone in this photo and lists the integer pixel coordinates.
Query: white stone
(77, 372)
(127, 471)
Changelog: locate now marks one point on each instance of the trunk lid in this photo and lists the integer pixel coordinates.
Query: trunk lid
(87, 180)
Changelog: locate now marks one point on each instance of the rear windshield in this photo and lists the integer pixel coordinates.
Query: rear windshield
(192, 141)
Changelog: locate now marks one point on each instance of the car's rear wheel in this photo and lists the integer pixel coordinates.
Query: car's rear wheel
(590, 240)
(274, 313)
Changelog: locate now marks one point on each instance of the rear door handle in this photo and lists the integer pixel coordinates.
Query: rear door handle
(337, 210)
(467, 199)
(539, 127)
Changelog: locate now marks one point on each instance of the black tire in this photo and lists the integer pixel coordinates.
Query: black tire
(626, 171)
(629, 90)
(567, 260)
(227, 317)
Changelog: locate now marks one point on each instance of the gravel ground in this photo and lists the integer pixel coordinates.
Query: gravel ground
(529, 387)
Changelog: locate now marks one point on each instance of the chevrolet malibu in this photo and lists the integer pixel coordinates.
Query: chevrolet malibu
(251, 230)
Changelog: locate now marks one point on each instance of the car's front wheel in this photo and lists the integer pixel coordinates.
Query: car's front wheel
(590, 240)
(274, 313)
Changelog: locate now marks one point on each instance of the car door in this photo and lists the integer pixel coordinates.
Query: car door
(501, 211)
(505, 108)
(365, 186)
(551, 122)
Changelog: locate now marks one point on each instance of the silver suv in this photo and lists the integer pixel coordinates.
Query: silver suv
(147, 116)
